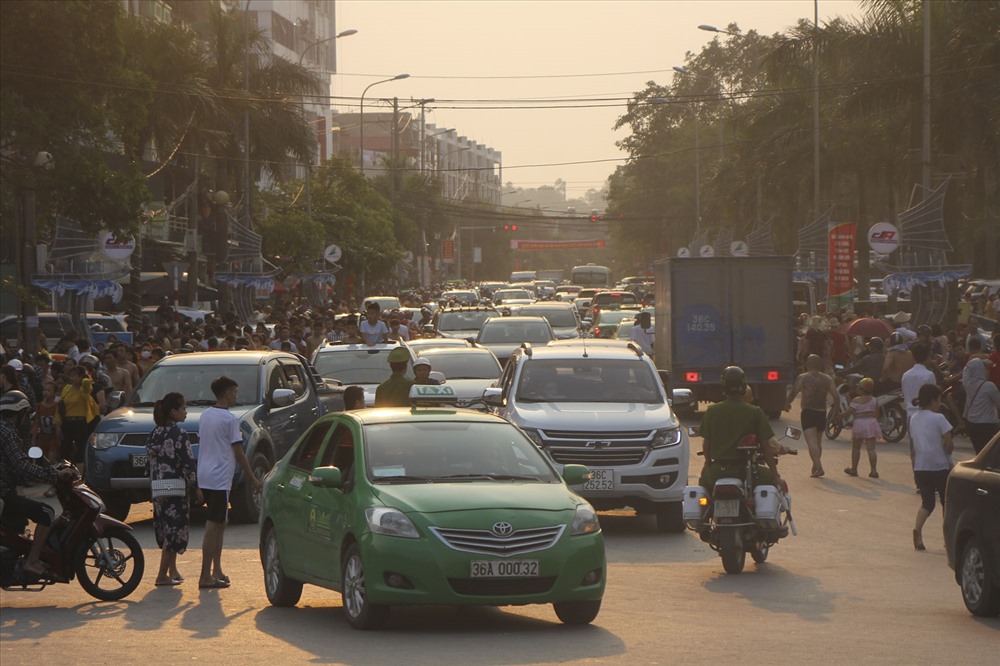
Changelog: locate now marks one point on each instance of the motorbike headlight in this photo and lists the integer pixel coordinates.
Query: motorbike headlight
(391, 522)
(104, 440)
(585, 520)
(666, 437)
(533, 435)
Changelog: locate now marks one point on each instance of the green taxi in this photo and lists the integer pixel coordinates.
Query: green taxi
(428, 505)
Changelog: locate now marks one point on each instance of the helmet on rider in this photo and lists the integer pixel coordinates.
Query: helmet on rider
(734, 380)
(896, 339)
(14, 405)
(924, 329)
(875, 344)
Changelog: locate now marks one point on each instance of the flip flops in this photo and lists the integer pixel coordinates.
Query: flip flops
(850, 471)
(216, 584)
(167, 583)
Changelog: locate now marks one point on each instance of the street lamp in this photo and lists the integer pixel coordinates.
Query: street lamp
(712, 28)
(345, 33)
(697, 164)
(398, 77)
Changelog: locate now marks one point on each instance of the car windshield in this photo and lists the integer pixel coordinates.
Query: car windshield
(466, 366)
(355, 366)
(622, 297)
(498, 331)
(607, 318)
(506, 294)
(195, 382)
(588, 380)
(452, 451)
(464, 320)
(558, 317)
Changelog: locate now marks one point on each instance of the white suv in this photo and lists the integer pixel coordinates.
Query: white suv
(605, 407)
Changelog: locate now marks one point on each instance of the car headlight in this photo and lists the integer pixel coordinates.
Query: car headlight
(585, 520)
(391, 522)
(533, 435)
(104, 440)
(666, 437)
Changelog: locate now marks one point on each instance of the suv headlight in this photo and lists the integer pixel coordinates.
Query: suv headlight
(104, 440)
(666, 437)
(585, 520)
(391, 522)
(534, 436)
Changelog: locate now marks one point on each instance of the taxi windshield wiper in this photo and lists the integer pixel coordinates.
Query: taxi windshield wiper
(491, 477)
(402, 478)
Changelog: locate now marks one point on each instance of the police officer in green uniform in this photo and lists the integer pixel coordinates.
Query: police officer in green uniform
(395, 391)
(727, 422)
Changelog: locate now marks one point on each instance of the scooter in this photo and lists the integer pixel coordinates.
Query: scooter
(892, 412)
(103, 553)
(741, 517)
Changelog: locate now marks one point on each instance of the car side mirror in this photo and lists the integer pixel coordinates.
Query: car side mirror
(437, 376)
(793, 433)
(282, 397)
(35, 453)
(575, 475)
(116, 399)
(327, 477)
(682, 397)
(493, 396)
(428, 328)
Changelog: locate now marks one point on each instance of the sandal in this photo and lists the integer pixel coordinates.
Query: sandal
(167, 583)
(850, 471)
(214, 585)
(873, 475)
(918, 540)
(224, 579)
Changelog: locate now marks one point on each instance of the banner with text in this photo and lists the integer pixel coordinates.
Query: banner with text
(840, 295)
(557, 245)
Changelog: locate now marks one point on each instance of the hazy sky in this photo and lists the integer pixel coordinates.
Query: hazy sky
(517, 50)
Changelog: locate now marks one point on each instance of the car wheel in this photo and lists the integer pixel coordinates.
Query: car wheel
(360, 612)
(670, 518)
(980, 595)
(246, 502)
(577, 612)
(281, 590)
(117, 505)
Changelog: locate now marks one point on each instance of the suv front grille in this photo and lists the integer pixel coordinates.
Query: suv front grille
(579, 455)
(586, 436)
(623, 447)
(488, 543)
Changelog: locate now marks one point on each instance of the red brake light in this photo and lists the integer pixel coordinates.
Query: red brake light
(692, 376)
(597, 332)
(772, 375)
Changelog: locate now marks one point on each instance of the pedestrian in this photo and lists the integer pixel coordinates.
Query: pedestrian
(220, 449)
(171, 460)
(47, 424)
(79, 409)
(865, 430)
(982, 403)
(815, 386)
(642, 333)
(915, 377)
(354, 398)
(395, 391)
(930, 453)
(373, 330)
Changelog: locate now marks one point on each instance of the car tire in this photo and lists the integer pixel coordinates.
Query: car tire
(577, 612)
(670, 518)
(117, 505)
(980, 595)
(280, 589)
(246, 501)
(360, 612)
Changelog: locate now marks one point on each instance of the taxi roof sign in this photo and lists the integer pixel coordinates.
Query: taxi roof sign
(426, 393)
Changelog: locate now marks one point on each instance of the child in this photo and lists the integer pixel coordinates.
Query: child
(46, 426)
(866, 428)
(930, 451)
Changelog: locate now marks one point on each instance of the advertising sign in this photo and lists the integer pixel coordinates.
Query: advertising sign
(117, 248)
(333, 253)
(884, 238)
(448, 251)
(739, 248)
(840, 295)
(706, 251)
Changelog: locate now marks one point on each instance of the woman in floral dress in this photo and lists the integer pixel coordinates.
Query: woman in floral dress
(170, 457)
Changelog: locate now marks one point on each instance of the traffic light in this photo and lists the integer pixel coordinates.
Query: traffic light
(510, 227)
(593, 218)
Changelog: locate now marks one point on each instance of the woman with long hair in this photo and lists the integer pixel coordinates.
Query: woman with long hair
(171, 459)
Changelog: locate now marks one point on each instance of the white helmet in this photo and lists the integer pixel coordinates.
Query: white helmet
(14, 402)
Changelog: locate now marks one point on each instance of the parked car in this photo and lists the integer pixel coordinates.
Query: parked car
(363, 365)
(468, 371)
(602, 405)
(502, 335)
(972, 529)
(279, 396)
(54, 325)
(428, 506)
(562, 317)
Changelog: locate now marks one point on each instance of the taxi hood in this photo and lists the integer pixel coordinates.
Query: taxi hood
(475, 495)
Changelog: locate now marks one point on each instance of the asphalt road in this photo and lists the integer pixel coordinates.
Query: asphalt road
(848, 589)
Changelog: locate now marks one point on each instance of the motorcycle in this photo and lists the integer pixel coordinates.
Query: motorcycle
(740, 517)
(892, 412)
(103, 553)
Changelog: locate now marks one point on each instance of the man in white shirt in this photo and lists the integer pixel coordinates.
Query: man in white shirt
(220, 449)
(643, 333)
(916, 377)
(373, 330)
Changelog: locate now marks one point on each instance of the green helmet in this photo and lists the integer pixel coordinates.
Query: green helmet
(734, 380)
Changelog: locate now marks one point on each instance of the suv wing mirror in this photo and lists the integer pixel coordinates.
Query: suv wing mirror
(493, 396)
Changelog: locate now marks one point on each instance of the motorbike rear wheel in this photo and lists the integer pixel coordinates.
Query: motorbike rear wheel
(834, 426)
(114, 577)
(893, 423)
(733, 558)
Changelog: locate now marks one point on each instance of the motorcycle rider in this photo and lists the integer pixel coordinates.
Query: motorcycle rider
(16, 467)
(897, 361)
(725, 424)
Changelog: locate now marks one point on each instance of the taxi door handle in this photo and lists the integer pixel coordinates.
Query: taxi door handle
(280, 486)
(982, 491)
(309, 497)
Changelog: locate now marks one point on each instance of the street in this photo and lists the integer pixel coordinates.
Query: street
(848, 588)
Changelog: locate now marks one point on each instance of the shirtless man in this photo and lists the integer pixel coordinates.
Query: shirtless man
(814, 386)
(121, 380)
(897, 361)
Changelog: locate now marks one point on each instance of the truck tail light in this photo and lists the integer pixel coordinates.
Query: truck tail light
(772, 375)
(692, 376)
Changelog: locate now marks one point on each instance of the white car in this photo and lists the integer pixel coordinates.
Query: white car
(467, 370)
(363, 365)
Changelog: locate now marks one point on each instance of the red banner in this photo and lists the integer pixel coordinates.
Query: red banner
(557, 245)
(840, 295)
(448, 251)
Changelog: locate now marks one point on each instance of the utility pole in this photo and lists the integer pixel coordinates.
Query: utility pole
(395, 149)
(246, 114)
(926, 153)
(194, 212)
(816, 107)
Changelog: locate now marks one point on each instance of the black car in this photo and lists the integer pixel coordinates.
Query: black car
(972, 529)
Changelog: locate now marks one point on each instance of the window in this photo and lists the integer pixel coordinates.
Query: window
(294, 377)
(340, 452)
(305, 456)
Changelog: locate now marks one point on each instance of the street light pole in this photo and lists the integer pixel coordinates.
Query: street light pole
(345, 33)
(362, 114)
(816, 106)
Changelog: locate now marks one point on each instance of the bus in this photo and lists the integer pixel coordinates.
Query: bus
(591, 276)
